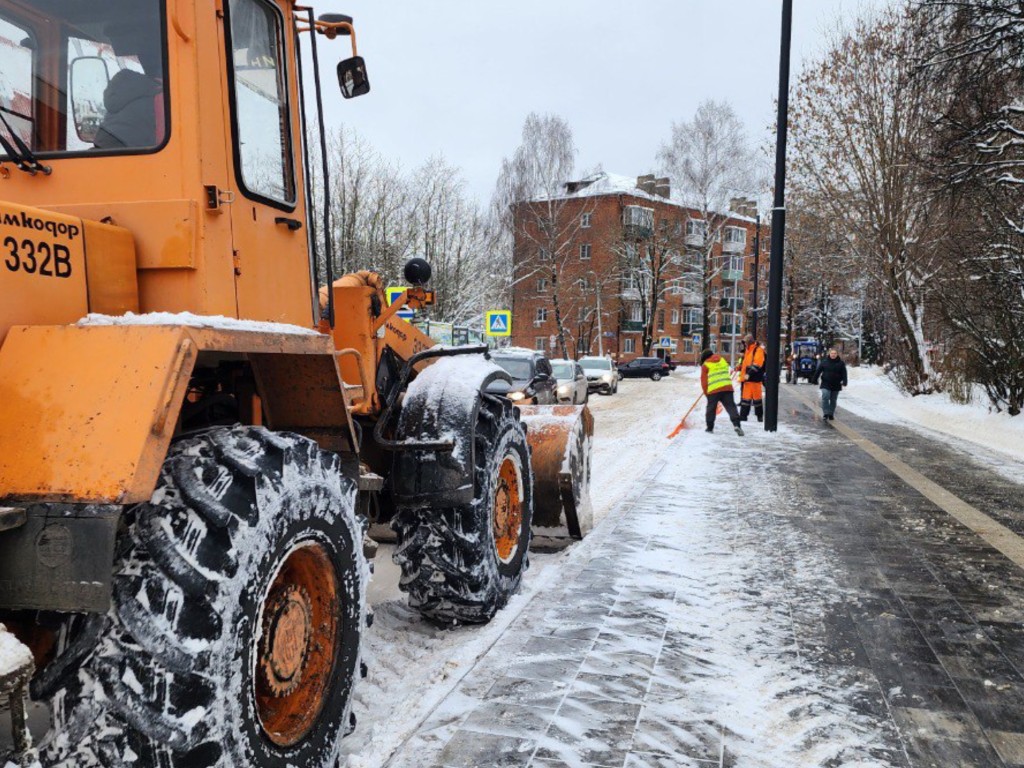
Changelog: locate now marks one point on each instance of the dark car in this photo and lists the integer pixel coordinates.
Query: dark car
(533, 382)
(652, 368)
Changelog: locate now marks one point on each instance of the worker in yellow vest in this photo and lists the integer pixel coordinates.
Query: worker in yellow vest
(751, 372)
(717, 386)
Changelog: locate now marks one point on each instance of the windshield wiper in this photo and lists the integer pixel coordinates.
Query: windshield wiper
(19, 152)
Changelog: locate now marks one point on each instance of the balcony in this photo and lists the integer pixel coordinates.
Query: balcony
(731, 275)
(733, 247)
(637, 222)
(632, 326)
(730, 330)
(689, 329)
(732, 304)
(695, 239)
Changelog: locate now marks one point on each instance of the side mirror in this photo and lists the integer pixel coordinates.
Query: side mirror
(352, 77)
(89, 79)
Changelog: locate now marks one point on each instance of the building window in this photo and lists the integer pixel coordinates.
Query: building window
(635, 313)
(542, 285)
(688, 346)
(629, 346)
(736, 235)
(675, 317)
(585, 221)
(544, 254)
(541, 316)
(696, 227)
(661, 319)
(677, 228)
(540, 343)
(584, 284)
(585, 252)
(692, 316)
(629, 284)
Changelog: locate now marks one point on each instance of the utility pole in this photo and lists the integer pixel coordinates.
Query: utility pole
(771, 405)
(600, 333)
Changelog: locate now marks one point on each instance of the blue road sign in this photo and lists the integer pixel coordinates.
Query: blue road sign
(498, 322)
(696, 339)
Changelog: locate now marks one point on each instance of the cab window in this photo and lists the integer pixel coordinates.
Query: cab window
(263, 140)
(82, 77)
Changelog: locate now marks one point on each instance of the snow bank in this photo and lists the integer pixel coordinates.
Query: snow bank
(216, 322)
(873, 395)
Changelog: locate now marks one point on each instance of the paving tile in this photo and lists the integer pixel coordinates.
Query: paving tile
(1009, 746)
(468, 749)
(590, 731)
(536, 693)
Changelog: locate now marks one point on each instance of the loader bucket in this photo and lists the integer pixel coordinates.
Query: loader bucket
(560, 438)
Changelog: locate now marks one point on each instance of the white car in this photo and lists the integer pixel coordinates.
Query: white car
(570, 382)
(601, 375)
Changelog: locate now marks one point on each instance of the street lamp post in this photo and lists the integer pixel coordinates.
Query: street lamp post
(771, 401)
(757, 270)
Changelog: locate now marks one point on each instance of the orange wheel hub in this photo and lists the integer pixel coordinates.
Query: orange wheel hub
(508, 511)
(296, 651)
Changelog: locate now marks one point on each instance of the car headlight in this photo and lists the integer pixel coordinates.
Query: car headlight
(516, 396)
(563, 389)
(606, 377)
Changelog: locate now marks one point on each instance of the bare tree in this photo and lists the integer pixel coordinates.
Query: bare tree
(709, 160)
(977, 49)
(861, 120)
(531, 201)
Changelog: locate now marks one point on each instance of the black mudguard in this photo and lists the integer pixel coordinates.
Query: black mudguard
(442, 404)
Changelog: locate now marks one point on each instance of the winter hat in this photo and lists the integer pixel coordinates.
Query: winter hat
(705, 355)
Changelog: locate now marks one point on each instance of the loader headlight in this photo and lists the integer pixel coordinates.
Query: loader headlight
(515, 396)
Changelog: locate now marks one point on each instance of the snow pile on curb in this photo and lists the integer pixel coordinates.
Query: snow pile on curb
(873, 395)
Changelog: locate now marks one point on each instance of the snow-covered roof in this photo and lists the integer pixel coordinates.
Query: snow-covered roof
(604, 183)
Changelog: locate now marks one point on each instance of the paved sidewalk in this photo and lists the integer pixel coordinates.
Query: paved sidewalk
(777, 600)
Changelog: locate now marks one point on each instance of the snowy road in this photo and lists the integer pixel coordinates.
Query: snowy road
(413, 665)
(773, 601)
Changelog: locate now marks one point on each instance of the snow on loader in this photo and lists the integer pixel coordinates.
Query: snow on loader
(190, 446)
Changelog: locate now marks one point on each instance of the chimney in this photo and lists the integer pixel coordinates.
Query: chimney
(743, 207)
(645, 183)
(663, 187)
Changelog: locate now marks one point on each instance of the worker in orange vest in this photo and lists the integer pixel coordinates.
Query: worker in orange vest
(717, 385)
(751, 372)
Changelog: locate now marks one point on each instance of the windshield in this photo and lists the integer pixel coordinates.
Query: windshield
(80, 76)
(518, 368)
(563, 370)
(596, 364)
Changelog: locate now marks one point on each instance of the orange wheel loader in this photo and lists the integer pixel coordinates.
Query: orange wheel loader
(198, 421)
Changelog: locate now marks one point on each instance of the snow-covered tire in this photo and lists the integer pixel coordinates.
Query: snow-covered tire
(456, 567)
(245, 566)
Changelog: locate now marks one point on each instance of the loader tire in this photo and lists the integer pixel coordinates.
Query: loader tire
(238, 606)
(460, 565)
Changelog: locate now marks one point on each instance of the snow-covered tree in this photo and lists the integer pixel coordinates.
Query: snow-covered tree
(861, 119)
(709, 161)
(531, 201)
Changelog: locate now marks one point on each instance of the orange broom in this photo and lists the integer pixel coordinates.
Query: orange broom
(682, 424)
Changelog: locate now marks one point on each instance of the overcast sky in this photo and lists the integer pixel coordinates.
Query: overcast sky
(457, 77)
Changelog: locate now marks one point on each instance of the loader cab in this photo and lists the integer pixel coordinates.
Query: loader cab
(182, 122)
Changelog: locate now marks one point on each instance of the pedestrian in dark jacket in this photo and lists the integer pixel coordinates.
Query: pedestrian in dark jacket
(717, 386)
(831, 372)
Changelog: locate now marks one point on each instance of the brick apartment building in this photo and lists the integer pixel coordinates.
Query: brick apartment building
(599, 255)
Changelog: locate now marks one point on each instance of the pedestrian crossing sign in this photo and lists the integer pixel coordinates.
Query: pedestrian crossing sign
(498, 322)
(394, 292)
